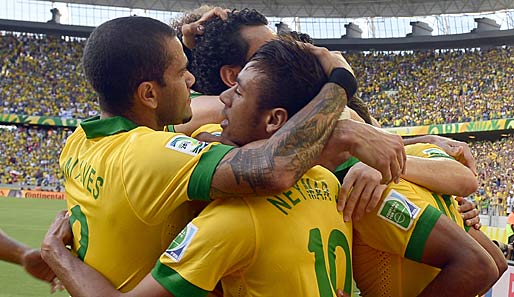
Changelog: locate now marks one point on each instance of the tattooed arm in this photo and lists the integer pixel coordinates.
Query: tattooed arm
(275, 164)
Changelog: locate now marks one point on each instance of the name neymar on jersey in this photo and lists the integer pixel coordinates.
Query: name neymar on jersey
(303, 188)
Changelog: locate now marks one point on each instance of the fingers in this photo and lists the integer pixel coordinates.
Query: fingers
(471, 215)
(189, 31)
(222, 13)
(477, 226)
(357, 203)
(341, 293)
(375, 198)
(341, 201)
(473, 221)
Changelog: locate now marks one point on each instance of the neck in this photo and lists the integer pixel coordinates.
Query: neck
(137, 118)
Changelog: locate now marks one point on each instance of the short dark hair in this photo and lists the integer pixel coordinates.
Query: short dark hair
(292, 76)
(221, 44)
(122, 53)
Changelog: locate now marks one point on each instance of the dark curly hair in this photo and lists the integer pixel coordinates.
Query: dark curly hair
(221, 44)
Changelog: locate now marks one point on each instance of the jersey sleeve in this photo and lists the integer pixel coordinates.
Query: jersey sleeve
(219, 242)
(176, 168)
(402, 223)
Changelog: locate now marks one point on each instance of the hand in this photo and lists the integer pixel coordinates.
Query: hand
(58, 236)
(329, 59)
(373, 146)
(459, 150)
(469, 213)
(36, 266)
(341, 293)
(363, 184)
(190, 31)
(208, 137)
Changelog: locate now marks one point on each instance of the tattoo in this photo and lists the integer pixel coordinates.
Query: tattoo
(291, 150)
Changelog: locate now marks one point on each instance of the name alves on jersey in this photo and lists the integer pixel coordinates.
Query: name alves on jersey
(85, 174)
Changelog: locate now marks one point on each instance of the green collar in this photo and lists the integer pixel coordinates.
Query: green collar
(349, 163)
(96, 127)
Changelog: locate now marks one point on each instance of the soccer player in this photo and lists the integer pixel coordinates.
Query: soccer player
(128, 185)
(235, 41)
(404, 259)
(30, 259)
(292, 243)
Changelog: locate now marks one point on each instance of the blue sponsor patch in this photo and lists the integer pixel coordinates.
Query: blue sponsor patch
(398, 210)
(178, 247)
(187, 145)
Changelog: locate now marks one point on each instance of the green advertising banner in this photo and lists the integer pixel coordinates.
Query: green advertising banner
(37, 120)
(454, 128)
(442, 129)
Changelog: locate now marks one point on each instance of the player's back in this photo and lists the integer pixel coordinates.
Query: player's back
(120, 221)
(292, 244)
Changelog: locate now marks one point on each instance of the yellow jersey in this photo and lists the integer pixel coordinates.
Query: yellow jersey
(128, 191)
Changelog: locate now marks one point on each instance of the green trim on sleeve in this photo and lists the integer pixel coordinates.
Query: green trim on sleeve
(439, 204)
(175, 283)
(170, 128)
(466, 228)
(418, 239)
(200, 182)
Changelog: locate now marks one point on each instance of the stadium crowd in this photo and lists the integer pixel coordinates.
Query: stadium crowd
(422, 88)
(42, 76)
(495, 194)
(31, 157)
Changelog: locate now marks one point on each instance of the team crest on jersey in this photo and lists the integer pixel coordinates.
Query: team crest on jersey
(398, 210)
(187, 145)
(434, 153)
(178, 247)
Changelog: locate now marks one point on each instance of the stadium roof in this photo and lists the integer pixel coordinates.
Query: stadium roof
(322, 8)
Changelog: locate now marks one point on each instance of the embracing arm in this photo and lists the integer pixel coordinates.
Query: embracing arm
(492, 249)
(79, 278)
(466, 269)
(206, 110)
(273, 165)
(30, 259)
(459, 150)
(441, 175)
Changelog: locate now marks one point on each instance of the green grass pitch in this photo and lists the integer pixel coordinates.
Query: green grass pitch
(26, 220)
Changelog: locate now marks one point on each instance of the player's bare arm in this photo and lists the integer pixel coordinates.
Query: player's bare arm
(80, 279)
(459, 150)
(469, 266)
(361, 189)
(273, 165)
(205, 110)
(30, 259)
(441, 175)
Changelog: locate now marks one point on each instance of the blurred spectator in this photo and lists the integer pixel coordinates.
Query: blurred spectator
(31, 157)
(436, 87)
(42, 76)
(495, 175)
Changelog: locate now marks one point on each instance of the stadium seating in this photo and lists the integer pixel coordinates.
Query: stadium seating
(42, 76)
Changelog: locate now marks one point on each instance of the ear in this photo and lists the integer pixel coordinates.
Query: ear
(275, 119)
(147, 94)
(228, 74)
